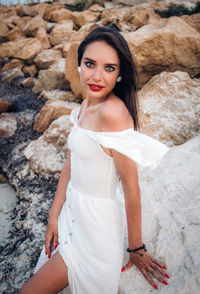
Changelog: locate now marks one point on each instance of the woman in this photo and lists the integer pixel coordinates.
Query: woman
(86, 222)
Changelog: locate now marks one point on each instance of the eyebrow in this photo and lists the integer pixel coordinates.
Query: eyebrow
(90, 59)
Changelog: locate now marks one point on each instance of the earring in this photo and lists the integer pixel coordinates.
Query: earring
(79, 69)
(119, 79)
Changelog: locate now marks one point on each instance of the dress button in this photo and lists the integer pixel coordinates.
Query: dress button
(66, 242)
(70, 233)
(73, 220)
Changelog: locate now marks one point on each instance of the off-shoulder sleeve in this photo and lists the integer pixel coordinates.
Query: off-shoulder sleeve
(144, 150)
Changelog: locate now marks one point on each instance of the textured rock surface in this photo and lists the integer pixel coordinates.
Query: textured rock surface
(170, 107)
(47, 154)
(8, 125)
(4, 105)
(52, 78)
(59, 95)
(171, 203)
(169, 44)
(23, 49)
(51, 111)
(46, 58)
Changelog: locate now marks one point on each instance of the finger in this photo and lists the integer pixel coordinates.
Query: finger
(158, 263)
(55, 241)
(148, 278)
(154, 274)
(126, 267)
(47, 246)
(159, 269)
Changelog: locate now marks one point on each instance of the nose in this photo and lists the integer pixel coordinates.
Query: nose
(97, 75)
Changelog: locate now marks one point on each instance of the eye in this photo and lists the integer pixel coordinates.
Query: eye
(110, 68)
(89, 64)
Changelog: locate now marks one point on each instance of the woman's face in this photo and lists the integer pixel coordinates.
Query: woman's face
(100, 67)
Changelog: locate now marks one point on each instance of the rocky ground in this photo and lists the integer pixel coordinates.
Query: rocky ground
(16, 251)
(40, 86)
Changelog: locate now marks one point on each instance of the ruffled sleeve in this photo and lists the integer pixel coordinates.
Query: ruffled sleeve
(144, 150)
(141, 148)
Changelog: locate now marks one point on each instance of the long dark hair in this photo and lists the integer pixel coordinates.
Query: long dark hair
(126, 89)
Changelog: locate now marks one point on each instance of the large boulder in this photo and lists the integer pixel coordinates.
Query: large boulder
(170, 210)
(23, 49)
(32, 26)
(61, 33)
(57, 14)
(50, 112)
(48, 153)
(192, 20)
(52, 78)
(59, 95)
(170, 107)
(85, 17)
(46, 58)
(170, 44)
(140, 15)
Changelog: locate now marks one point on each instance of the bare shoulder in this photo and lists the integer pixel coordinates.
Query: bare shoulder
(115, 116)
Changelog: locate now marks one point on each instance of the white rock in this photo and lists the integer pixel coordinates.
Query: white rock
(48, 153)
(170, 107)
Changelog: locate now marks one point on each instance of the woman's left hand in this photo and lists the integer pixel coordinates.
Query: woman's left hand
(148, 266)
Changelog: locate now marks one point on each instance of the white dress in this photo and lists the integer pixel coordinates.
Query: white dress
(91, 222)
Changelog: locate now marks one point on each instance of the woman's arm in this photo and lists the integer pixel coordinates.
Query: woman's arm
(149, 266)
(52, 227)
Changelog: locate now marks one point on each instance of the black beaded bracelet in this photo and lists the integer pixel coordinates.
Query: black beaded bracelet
(137, 249)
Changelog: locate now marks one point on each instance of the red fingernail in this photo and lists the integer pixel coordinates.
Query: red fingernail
(48, 256)
(166, 275)
(55, 246)
(164, 267)
(164, 282)
(45, 252)
(154, 285)
(123, 269)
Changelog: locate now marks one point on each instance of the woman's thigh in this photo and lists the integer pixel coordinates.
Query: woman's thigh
(51, 278)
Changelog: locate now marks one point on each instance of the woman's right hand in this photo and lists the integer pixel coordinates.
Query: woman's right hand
(51, 236)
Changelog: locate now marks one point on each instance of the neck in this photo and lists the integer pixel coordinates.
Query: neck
(94, 101)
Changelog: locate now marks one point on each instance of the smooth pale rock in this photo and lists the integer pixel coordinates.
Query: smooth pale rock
(85, 17)
(8, 125)
(193, 20)
(50, 112)
(170, 107)
(48, 153)
(4, 105)
(23, 49)
(52, 78)
(46, 58)
(59, 95)
(61, 33)
(8, 76)
(32, 26)
(14, 63)
(57, 14)
(170, 210)
(169, 44)
(30, 71)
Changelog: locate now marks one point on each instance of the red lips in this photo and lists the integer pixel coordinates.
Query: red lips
(95, 87)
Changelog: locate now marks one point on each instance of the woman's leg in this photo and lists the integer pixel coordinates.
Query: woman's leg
(51, 278)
